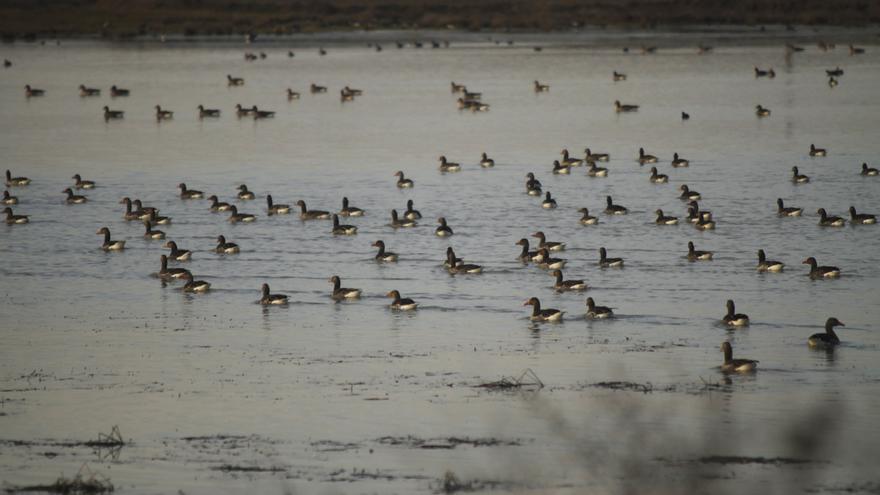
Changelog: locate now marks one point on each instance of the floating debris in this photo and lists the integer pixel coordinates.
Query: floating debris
(528, 379)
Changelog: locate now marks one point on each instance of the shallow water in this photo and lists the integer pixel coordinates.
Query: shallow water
(311, 391)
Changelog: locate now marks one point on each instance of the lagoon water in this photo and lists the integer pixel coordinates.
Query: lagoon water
(215, 394)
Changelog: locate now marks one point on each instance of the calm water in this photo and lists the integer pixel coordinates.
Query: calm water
(93, 339)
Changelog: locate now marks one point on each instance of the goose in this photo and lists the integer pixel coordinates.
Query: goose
(471, 96)
(695, 255)
(665, 219)
(826, 220)
(733, 319)
(236, 217)
(596, 171)
(548, 263)
(624, 108)
(679, 162)
(598, 312)
(166, 273)
(817, 271)
(8, 199)
(269, 299)
(765, 265)
(525, 255)
(149, 233)
(353, 91)
(687, 194)
(339, 229)
(645, 158)
(763, 73)
(401, 303)
(244, 194)
(401, 222)
(544, 244)
(112, 114)
(118, 92)
(382, 255)
(613, 209)
(340, 293)
(163, 114)
(693, 215)
(486, 162)
(276, 209)
(306, 214)
(263, 114)
(208, 112)
(189, 193)
(539, 314)
(836, 72)
(658, 178)
(443, 230)
(595, 157)
(13, 219)
(560, 169)
(457, 88)
(761, 111)
(241, 111)
(685, 116)
(292, 95)
(541, 88)
(86, 92)
(472, 105)
(458, 266)
(410, 213)
(343, 96)
(731, 365)
(16, 181)
(567, 161)
(567, 285)
(224, 247)
(446, 166)
(705, 222)
(156, 219)
(586, 218)
(606, 262)
(216, 205)
(129, 214)
(861, 218)
(814, 151)
(451, 261)
(548, 202)
(402, 182)
(74, 199)
(350, 211)
(82, 184)
(854, 50)
(32, 92)
(618, 76)
(314, 88)
(869, 171)
(143, 211)
(197, 286)
(234, 81)
(109, 244)
(533, 186)
(828, 339)
(784, 211)
(176, 253)
(793, 48)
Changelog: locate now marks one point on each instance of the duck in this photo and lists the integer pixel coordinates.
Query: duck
(567, 285)
(149, 233)
(176, 253)
(606, 262)
(705, 222)
(541, 88)
(619, 108)
(208, 112)
(189, 193)
(112, 114)
(548, 263)
(443, 230)
(613, 209)
(14, 219)
(678, 162)
(814, 151)
(216, 205)
(525, 255)
(241, 111)
(350, 211)
(761, 111)
(861, 218)
(687, 194)
(827, 339)
(269, 299)
(410, 213)
(560, 169)
(598, 312)
(586, 218)
(665, 219)
(33, 92)
(817, 271)
(567, 161)
(550, 246)
(658, 178)
(224, 247)
(765, 265)
(869, 171)
(458, 266)
(401, 303)
(826, 220)
(109, 244)
(618, 76)
(314, 88)
(731, 365)
(236, 217)
(244, 194)
(157, 219)
(787, 211)
(16, 181)
(85, 92)
(74, 199)
(382, 255)
(306, 214)
(486, 162)
(401, 222)
(539, 314)
(446, 166)
(197, 286)
(596, 171)
(548, 202)
(163, 114)
(695, 255)
(646, 158)
(733, 319)
(533, 185)
(292, 95)
(116, 92)
(403, 182)
(234, 81)
(166, 273)
(595, 157)
(339, 229)
(9, 199)
(263, 114)
(276, 209)
(340, 293)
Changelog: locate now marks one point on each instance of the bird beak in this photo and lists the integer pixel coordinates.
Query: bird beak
(841, 323)
(526, 303)
(804, 262)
